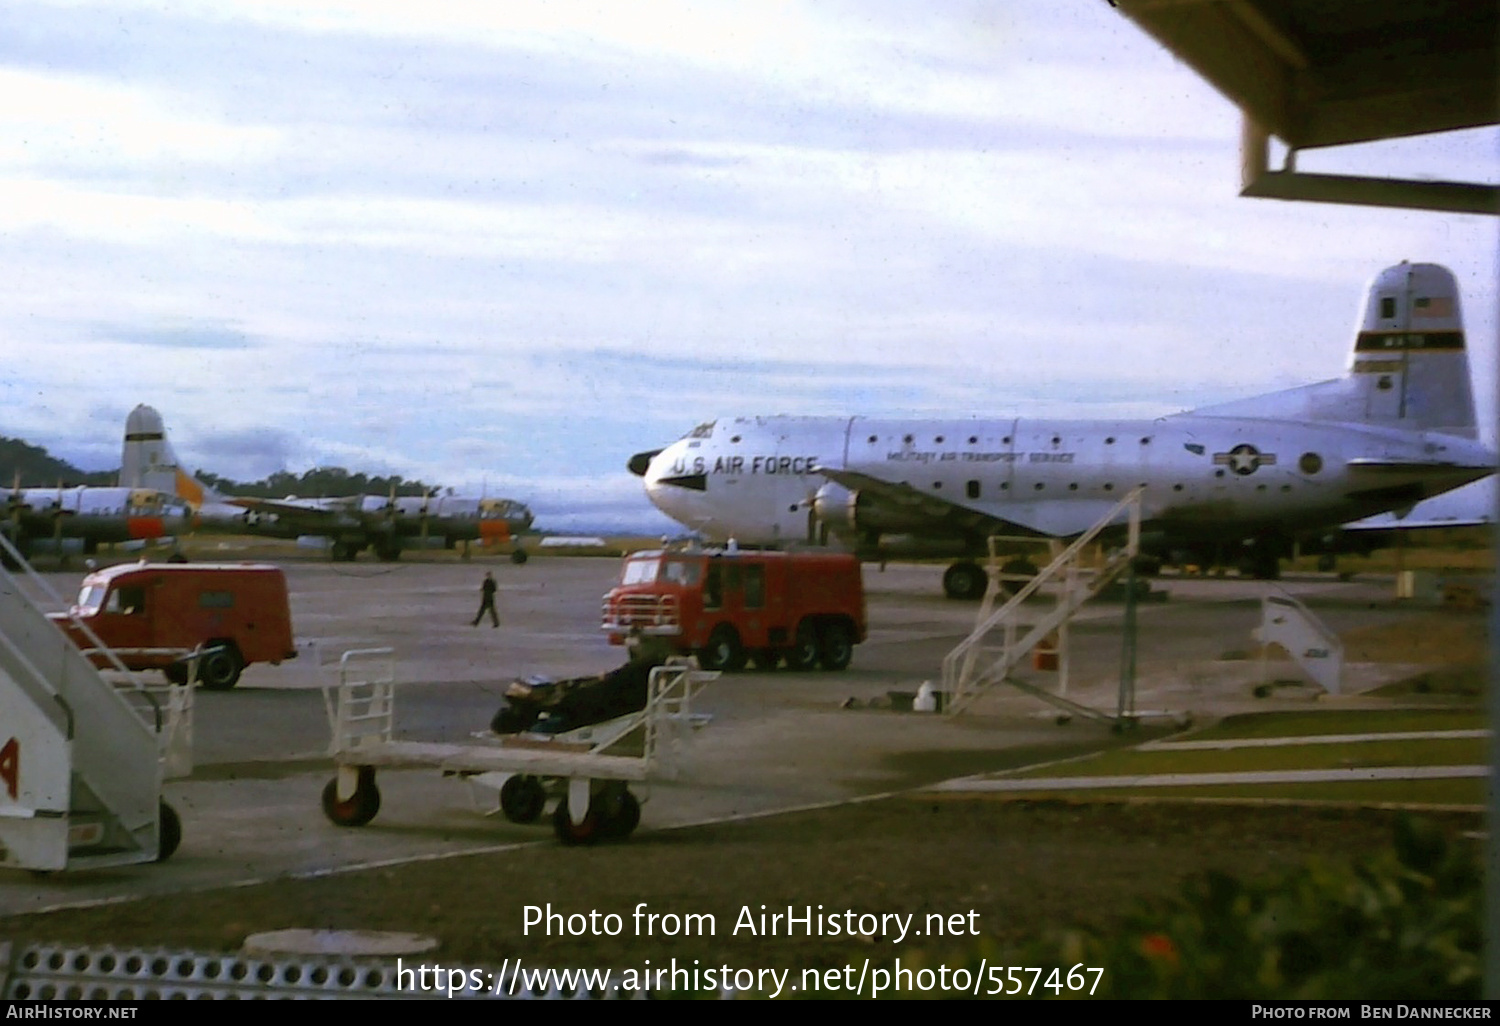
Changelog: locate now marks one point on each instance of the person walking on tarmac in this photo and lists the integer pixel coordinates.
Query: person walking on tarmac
(487, 601)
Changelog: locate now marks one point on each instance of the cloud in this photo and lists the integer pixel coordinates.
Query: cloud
(180, 336)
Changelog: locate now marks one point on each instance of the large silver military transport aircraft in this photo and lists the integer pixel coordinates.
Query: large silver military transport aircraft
(1236, 483)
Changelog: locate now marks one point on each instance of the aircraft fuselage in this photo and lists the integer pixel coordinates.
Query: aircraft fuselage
(771, 480)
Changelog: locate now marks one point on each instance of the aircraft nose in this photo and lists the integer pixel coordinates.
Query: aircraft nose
(641, 462)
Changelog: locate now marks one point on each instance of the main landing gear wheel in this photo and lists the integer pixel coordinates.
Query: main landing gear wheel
(965, 582)
(219, 669)
(586, 832)
(168, 831)
(360, 807)
(522, 799)
(835, 647)
(519, 556)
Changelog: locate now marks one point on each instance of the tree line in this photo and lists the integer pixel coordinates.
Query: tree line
(31, 466)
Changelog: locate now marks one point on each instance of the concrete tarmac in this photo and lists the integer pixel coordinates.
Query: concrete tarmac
(778, 740)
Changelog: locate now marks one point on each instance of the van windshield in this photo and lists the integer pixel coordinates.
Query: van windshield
(89, 598)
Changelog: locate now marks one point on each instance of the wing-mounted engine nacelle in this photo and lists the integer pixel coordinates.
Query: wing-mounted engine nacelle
(854, 514)
(836, 509)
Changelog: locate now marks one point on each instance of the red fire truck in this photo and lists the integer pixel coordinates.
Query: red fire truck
(728, 606)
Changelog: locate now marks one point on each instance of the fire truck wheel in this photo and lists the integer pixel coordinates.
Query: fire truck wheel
(176, 673)
(168, 831)
(360, 807)
(522, 799)
(723, 651)
(571, 833)
(765, 658)
(835, 647)
(803, 655)
(219, 668)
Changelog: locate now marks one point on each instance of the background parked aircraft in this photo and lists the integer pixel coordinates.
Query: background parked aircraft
(81, 518)
(383, 523)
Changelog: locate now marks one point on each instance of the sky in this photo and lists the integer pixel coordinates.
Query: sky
(502, 247)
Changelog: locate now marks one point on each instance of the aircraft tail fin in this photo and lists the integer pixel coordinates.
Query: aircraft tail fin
(1409, 368)
(148, 461)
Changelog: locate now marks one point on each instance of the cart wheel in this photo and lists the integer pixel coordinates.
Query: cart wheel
(571, 833)
(522, 799)
(360, 807)
(623, 814)
(168, 831)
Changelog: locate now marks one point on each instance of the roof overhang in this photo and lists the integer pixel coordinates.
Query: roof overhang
(1335, 72)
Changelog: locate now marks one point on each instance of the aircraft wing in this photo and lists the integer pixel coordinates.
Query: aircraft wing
(1473, 505)
(930, 515)
(312, 514)
(288, 506)
(1045, 518)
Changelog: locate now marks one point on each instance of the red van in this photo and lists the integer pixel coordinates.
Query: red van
(729, 606)
(153, 613)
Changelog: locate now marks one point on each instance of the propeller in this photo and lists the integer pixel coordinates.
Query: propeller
(16, 505)
(58, 512)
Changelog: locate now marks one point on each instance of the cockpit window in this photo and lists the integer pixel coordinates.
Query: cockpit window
(702, 431)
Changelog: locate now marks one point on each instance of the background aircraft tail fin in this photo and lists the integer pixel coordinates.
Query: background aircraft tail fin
(148, 461)
(1409, 368)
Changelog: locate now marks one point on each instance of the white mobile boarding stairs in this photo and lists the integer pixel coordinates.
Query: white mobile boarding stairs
(978, 663)
(80, 766)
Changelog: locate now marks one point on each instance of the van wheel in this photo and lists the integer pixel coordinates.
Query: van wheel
(219, 669)
(803, 655)
(835, 647)
(723, 651)
(168, 831)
